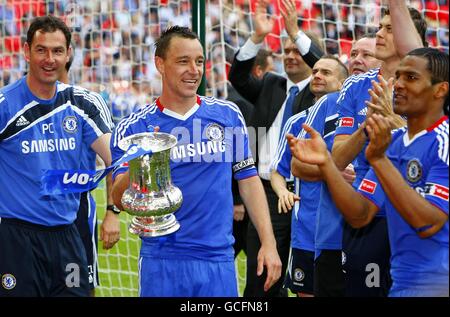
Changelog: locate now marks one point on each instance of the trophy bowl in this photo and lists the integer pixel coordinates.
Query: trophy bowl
(151, 197)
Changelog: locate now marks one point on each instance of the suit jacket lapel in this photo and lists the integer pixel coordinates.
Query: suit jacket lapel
(278, 98)
(303, 101)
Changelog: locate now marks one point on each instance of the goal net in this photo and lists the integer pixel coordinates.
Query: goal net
(113, 55)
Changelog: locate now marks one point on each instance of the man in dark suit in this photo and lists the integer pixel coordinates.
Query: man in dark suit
(270, 95)
(263, 63)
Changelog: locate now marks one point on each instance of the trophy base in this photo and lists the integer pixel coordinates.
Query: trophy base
(154, 226)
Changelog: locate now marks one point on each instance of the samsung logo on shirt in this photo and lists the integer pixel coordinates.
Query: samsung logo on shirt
(48, 145)
(197, 149)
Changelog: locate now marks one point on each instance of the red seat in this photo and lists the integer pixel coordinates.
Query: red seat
(12, 43)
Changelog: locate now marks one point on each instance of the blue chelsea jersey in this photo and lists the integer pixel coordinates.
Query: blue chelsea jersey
(352, 113)
(88, 162)
(312, 227)
(212, 146)
(304, 212)
(329, 222)
(36, 135)
(423, 163)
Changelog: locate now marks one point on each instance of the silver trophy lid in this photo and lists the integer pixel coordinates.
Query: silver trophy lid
(154, 141)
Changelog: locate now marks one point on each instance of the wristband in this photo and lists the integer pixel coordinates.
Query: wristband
(422, 229)
(113, 208)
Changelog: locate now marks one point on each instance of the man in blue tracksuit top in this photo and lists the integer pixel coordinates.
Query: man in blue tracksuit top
(45, 125)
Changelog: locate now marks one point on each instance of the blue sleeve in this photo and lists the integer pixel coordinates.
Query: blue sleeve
(3, 114)
(98, 120)
(105, 113)
(243, 163)
(117, 153)
(347, 123)
(316, 117)
(282, 161)
(436, 187)
(318, 120)
(370, 188)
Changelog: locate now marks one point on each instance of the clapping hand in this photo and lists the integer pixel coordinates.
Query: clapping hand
(311, 151)
(379, 129)
(381, 101)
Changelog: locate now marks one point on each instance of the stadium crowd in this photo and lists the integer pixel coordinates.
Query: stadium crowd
(334, 65)
(113, 40)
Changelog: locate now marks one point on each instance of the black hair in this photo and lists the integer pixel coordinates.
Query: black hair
(69, 63)
(437, 63)
(163, 42)
(437, 66)
(343, 70)
(261, 58)
(47, 24)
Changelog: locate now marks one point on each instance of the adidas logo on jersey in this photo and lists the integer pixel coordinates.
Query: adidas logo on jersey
(363, 112)
(22, 121)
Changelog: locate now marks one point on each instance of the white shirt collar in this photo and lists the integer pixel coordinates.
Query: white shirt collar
(301, 85)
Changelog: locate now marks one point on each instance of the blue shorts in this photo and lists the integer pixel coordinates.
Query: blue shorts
(186, 278)
(328, 274)
(86, 223)
(367, 259)
(41, 261)
(299, 277)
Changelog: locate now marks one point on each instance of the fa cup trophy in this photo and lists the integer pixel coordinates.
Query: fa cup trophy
(151, 196)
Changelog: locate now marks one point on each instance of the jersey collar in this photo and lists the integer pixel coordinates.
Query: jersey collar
(437, 123)
(407, 141)
(175, 115)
